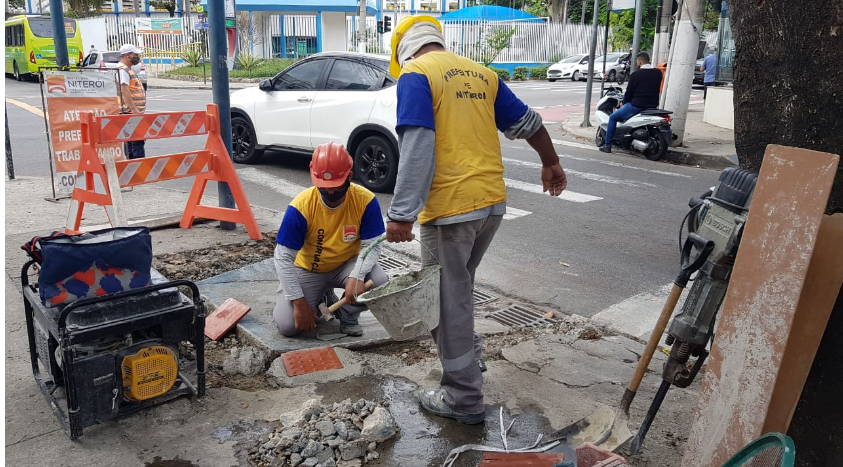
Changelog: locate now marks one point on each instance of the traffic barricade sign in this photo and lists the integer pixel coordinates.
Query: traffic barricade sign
(98, 180)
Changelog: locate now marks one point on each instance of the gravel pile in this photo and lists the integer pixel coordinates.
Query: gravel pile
(343, 434)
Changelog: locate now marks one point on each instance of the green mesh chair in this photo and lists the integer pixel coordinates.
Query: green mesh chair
(770, 450)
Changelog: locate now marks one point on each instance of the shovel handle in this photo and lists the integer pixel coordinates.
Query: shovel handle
(343, 301)
(653, 342)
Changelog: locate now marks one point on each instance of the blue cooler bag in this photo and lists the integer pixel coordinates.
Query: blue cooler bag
(94, 264)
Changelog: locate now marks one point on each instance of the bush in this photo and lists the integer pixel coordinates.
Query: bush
(267, 69)
(539, 72)
(192, 56)
(502, 74)
(248, 62)
(520, 73)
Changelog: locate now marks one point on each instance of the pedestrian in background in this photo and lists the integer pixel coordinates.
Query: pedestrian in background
(132, 94)
(709, 66)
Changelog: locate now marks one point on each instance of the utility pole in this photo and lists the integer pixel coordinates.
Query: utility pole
(59, 34)
(361, 28)
(595, 29)
(219, 85)
(636, 35)
(686, 39)
(661, 49)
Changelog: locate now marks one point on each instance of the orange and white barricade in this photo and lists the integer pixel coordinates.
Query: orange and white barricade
(99, 180)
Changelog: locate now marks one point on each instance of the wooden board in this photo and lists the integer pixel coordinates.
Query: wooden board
(757, 316)
(224, 318)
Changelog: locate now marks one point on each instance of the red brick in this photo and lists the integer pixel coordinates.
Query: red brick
(224, 318)
(521, 459)
(589, 455)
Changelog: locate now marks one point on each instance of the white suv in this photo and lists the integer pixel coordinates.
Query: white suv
(343, 97)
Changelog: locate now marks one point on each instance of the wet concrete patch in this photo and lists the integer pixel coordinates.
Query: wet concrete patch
(425, 439)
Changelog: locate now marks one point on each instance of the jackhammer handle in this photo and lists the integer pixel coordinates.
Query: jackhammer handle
(704, 248)
(343, 301)
(652, 343)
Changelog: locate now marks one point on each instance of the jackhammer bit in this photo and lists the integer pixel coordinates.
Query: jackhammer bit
(717, 218)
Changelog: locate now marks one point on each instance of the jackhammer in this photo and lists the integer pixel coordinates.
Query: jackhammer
(715, 225)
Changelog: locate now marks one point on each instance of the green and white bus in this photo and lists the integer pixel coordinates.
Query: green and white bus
(29, 44)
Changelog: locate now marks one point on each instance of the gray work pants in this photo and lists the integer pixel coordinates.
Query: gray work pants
(314, 285)
(459, 249)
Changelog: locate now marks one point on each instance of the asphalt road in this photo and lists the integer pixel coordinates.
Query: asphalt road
(612, 236)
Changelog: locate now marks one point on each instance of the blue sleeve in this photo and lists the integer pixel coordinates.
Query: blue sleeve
(415, 101)
(508, 108)
(372, 223)
(293, 229)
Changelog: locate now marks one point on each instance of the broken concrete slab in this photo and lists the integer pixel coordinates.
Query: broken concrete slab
(249, 361)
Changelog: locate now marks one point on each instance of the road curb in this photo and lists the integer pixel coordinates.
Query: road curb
(674, 155)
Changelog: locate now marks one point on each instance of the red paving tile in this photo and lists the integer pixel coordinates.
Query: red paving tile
(302, 362)
(521, 459)
(224, 318)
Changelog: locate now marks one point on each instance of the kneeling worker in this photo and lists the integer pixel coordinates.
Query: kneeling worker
(319, 242)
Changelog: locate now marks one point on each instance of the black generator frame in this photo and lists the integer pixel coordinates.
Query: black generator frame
(54, 322)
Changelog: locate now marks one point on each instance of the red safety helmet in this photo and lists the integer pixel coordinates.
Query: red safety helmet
(330, 165)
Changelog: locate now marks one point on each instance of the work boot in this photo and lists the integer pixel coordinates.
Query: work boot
(351, 328)
(433, 401)
(606, 148)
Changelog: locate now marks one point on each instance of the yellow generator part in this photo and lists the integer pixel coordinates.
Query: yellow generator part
(149, 373)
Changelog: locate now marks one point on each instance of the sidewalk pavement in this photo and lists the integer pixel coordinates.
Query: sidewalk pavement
(704, 145)
(550, 377)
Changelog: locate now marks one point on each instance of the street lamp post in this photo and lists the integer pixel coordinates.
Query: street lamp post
(590, 81)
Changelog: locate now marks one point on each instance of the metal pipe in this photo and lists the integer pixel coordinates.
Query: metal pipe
(59, 34)
(219, 84)
(605, 47)
(636, 38)
(590, 80)
(10, 165)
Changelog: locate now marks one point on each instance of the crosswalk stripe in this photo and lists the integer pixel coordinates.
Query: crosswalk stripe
(611, 163)
(538, 189)
(585, 175)
(279, 185)
(514, 213)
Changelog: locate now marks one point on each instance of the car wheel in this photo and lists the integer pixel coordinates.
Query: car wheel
(575, 76)
(244, 142)
(612, 75)
(376, 164)
(16, 71)
(552, 80)
(658, 146)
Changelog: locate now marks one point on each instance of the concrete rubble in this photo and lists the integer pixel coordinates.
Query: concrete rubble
(339, 434)
(248, 361)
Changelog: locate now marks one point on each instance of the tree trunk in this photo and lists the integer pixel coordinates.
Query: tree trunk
(582, 15)
(778, 98)
(565, 11)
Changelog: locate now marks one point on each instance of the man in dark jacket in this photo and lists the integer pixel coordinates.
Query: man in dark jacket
(642, 93)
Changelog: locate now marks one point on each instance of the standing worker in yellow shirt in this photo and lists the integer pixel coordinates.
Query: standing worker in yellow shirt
(450, 179)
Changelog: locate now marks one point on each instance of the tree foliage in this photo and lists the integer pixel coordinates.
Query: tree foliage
(495, 40)
(84, 8)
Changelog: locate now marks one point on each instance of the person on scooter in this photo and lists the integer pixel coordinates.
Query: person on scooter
(642, 93)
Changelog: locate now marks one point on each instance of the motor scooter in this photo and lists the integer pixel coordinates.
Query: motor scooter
(647, 132)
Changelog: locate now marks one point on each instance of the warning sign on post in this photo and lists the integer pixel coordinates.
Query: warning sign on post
(68, 94)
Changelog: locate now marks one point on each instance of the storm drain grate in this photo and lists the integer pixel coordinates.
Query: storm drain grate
(519, 317)
(388, 263)
(483, 297)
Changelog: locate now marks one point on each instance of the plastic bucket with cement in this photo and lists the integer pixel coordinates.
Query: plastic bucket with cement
(407, 306)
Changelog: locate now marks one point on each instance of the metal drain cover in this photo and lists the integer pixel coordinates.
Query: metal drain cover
(388, 263)
(483, 297)
(519, 317)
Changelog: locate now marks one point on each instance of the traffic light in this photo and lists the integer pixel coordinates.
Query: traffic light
(380, 27)
(387, 23)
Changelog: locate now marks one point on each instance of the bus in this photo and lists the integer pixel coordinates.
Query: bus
(29, 44)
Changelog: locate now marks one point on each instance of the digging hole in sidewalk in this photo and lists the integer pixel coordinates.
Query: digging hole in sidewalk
(196, 265)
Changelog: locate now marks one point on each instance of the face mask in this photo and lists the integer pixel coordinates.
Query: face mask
(337, 194)
(135, 60)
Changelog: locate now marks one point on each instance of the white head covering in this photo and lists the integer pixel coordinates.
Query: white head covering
(419, 35)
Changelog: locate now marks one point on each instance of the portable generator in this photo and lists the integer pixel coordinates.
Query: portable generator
(100, 358)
